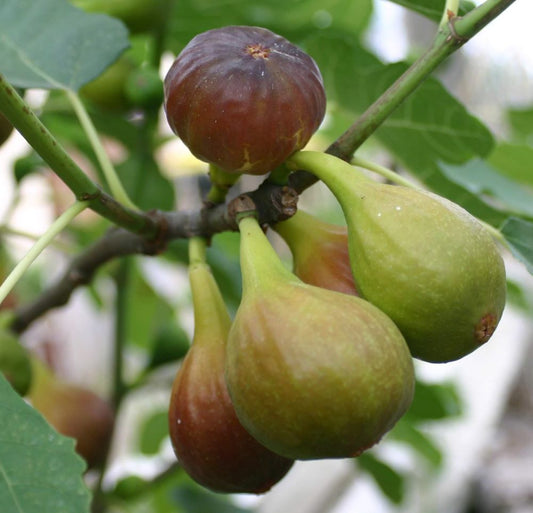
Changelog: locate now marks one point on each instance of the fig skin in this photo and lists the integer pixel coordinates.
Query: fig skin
(208, 439)
(243, 98)
(312, 373)
(320, 252)
(73, 411)
(422, 259)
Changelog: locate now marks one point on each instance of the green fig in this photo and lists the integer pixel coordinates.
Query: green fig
(14, 360)
(422, 259)
(73, 411)
(320, 252)
(312, 373)
(208, 439)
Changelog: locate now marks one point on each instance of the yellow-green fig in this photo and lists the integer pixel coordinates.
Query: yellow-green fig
(73, 411)
(312, 373)
(320, 252)
(208, 439)
(422, 259)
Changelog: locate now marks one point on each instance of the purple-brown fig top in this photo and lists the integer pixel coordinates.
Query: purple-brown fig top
(243, 98)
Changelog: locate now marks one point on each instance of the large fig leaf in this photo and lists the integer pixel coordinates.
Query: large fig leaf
(50, 44)
(514, 161)
(433, 9)
(39, 470)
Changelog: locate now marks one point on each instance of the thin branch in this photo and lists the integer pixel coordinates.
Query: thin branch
(18, 112)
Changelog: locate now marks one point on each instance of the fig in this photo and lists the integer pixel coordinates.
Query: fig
(243, 98)
(14, 361)
(422, 259)
(320, 252)
(208, 439)
(312, 373)
(73, 411)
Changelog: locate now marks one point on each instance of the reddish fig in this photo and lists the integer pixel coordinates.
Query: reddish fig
(73, 411)
(320, 252)
(208, 439)
(312, 373)
(243, 98)
(426, 262)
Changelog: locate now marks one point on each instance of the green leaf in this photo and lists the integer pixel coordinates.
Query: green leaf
(390, 481)
(433, 9)
(39, 469)
(480, 178)
(519, 235)
(152, 433)
(513, 161)
(405, 431)
(50, 44)
(434, 401)
(194, 499)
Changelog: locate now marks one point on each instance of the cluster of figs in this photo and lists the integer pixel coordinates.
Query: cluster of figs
(318, 362)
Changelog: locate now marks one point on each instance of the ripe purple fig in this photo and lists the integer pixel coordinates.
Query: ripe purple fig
(312, 373)
(320, 252)
(208, 439)
(243, 98)
(73, 411)
(426, 262)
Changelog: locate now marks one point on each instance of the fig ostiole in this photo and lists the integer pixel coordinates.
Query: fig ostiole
(312, 373)
(243, 98)
(208, 439)
(320, 252)
(422, 259)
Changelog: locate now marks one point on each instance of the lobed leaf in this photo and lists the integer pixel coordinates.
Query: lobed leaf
(50, 44)
(514, 161)
(39, 469)
(390, 481)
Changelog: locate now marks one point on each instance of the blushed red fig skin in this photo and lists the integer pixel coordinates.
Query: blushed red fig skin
(426, 262)
(208, 439)
(320, 252)
(243, 98)
(312, 373)
(73, 411)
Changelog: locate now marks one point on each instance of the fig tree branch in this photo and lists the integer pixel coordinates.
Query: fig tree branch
(450, 37)
(273, 204)
(43, 142)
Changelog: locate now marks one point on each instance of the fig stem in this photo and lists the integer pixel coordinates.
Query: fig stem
(115, 185)
(197, 250)
(260, 264)
(43, 242)
(383, 171)
(221, 183)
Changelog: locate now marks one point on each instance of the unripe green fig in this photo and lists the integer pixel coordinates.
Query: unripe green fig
(14, 361)
(320, 252)
(144, 88)
(208, 439)
(312, 373)
(243, 98)
(422, 259)
(73, 411)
